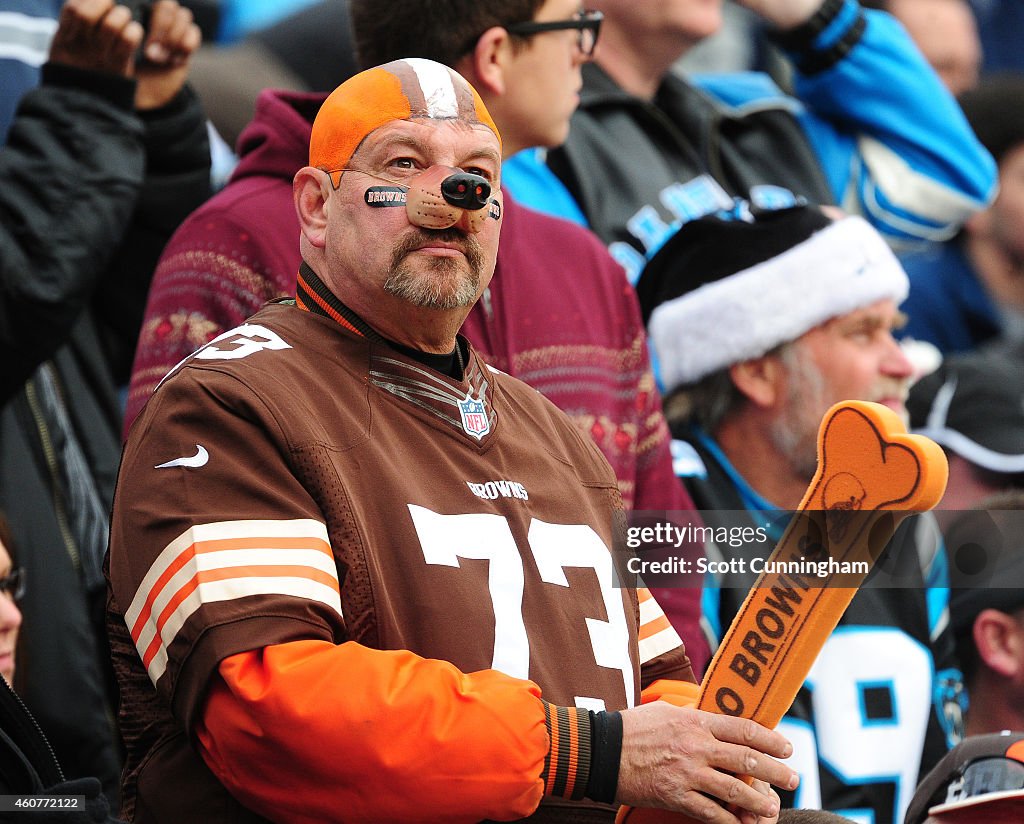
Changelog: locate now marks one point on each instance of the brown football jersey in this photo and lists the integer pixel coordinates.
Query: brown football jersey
(293, 480)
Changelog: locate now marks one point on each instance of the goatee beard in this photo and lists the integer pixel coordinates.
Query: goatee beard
(448, 284)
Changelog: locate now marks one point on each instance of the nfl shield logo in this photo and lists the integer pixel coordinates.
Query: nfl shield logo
(474, 417)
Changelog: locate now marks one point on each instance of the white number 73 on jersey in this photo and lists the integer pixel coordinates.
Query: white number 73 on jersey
(446, 538)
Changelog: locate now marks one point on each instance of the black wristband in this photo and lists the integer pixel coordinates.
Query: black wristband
(821, 61)
(605, 754)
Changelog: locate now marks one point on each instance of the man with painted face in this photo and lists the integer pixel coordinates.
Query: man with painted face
(358, 575)
(558, 313)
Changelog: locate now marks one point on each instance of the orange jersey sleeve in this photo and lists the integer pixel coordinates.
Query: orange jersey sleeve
(301, 730)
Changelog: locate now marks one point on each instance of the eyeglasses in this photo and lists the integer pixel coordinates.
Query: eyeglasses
(586, 23)
(13, 584)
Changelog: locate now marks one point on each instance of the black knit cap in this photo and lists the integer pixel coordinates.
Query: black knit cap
(710, 248)
(995, 110)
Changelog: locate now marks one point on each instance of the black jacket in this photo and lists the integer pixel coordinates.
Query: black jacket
(90, 194)
(30, 774)
(622, 144)
(70, 174)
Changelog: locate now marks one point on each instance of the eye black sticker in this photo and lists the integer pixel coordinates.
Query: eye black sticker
(380, 196)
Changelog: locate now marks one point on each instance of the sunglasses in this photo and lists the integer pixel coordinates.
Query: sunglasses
(13, 584)
(586, 23)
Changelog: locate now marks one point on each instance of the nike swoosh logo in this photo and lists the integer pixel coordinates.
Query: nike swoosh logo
(197, 460)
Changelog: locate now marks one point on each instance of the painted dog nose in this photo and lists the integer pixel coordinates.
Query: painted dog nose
(443, 196)
(466, 190)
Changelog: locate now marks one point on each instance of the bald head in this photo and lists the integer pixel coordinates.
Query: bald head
(408, 89)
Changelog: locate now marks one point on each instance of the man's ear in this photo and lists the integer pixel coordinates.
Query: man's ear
(311, 191)
(759, 379)
(485, 66)
(999, 639)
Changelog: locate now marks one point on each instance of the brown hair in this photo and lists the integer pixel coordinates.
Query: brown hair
(441, 30)
(5, 537)
(811, 817)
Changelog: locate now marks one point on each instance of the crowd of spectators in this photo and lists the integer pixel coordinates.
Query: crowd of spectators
(685, 188)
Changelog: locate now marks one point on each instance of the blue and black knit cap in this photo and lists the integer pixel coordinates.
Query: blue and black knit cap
(722, 291)
(980, 779)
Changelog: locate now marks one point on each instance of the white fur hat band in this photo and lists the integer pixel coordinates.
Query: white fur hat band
(727, 291)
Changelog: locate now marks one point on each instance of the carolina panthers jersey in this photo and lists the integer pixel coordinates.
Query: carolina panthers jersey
(294, 480)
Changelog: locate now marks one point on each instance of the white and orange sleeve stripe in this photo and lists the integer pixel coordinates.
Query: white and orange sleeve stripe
(224, 561)
(657, 635)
